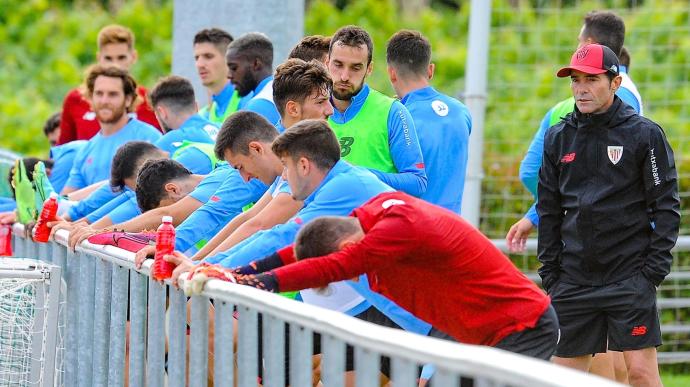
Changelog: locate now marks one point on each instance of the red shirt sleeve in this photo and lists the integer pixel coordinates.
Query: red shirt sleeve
(287, 255)
(144, 111)
(385, 243)
(68, 128)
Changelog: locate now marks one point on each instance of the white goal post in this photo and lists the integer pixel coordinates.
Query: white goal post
(29, 306)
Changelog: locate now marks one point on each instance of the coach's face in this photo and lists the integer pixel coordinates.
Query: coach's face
(348, 68)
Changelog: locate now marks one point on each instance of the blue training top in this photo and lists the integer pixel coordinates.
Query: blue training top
(120, 209)
(63, 160)
(334, 196)
(92, 163)
(402, 142)
(96, 199)
(529, 167)
(208, 186)
(194, 129)
(225, 203)
(443, 127)
(262, 101)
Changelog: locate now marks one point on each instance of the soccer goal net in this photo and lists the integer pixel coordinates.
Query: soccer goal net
(29, 315)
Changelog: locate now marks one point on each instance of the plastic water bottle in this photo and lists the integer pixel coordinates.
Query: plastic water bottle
(50, 207)
(5, 240)
(165, 244)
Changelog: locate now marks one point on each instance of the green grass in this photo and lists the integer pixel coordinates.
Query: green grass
(675, 380)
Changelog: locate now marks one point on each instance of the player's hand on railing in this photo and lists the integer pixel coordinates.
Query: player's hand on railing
(264, 281)
(60, 224)
(79, 234)
(516, 239)
(202, 273)
(143, 254)
(8, 217)
(183, 265)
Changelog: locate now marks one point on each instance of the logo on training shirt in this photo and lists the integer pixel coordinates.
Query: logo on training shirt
(639, 330)
(212, 131)
(346, 145)
(568, 158)
(440, 108)
(615, 153)
(391, 202)
(89, 116)
(214, 198)
(89, 160)
(655, 169)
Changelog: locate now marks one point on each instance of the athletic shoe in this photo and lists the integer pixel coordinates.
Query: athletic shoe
(42, 185)
(23, 194)
(127, 241)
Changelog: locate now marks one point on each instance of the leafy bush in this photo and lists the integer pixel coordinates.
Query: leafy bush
(47, 45)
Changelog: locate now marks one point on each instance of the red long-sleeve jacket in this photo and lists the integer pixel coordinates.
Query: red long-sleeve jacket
(78, 120)
(431, 262)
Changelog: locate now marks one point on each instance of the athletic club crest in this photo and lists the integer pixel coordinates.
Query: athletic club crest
(615, 153)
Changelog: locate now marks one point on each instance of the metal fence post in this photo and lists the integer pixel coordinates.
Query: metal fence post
(198, 351)
(101, 321)
(155, 359)
(87, 277)
(118, 320)
(137, 328)
(177, 338)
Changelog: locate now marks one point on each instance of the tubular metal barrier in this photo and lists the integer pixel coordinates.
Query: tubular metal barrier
(120, 322)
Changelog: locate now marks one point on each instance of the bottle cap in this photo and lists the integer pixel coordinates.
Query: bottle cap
(167, 219)
(54, 195)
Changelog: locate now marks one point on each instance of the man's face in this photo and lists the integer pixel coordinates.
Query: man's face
(240, 72)
(348, 68)
(317, 105)
(296, 175)
(210, 64)
(254, 165)
(118, 55)
(108, 99)
(593, 93)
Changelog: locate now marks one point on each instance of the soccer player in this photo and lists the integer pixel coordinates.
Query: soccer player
(606, 232)
(600, 27)
(173, 101)
(313, 47)
(112, 92)
(210, 46)
(79, 119)
(250, 61)
(413, 252)
(374, 131)
(443, 123)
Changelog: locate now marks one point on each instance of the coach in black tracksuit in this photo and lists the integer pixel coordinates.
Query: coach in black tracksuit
(609, 215)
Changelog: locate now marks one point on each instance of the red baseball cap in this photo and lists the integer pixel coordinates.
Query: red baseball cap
(592, 59)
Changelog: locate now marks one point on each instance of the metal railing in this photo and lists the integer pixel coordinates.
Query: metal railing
(101, 279)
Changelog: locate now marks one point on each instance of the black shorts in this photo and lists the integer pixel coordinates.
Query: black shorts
(622, 314)
(538, 342)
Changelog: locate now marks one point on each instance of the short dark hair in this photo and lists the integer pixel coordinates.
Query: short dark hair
(216, 36)
(129, 85)
(322, 235)
(624, 58)
(296, 79)
(254, 45)
(311, 47)
(240, 129)
(175, 92)
(312, 139)
(353, 36)
(128, 160)
(52, 123)
(153, 177)
(409, 52)
(605, 28)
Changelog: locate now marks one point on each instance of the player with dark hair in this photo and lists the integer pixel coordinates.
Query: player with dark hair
(313, 47)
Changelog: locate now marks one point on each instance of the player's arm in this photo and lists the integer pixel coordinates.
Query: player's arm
(75, 180)
(276, 211)
(229, 228)
(406, 153)
(380, 249)
(663, 203)
(550, 215)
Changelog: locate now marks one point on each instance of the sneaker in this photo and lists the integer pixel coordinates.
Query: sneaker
(42, 185)
(132, 242)
(23, 194)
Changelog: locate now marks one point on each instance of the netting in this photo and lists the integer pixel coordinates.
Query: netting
(18, 330)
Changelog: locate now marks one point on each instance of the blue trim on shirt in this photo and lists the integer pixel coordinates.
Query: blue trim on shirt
(223, 98)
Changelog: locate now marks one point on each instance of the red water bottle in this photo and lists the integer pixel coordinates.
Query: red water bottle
(165, 244)
(6, 240)
(50, 208)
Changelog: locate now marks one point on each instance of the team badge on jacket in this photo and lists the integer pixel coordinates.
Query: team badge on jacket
(615, 153)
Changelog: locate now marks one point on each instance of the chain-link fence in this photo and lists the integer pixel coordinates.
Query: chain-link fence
(530, 40)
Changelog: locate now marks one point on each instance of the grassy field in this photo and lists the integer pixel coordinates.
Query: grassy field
(675, 380)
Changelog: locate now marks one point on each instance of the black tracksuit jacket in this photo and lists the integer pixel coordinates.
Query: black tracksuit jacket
(607, 199)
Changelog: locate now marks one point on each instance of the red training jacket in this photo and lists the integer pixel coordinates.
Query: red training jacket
(78, 120)
(431, 262)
